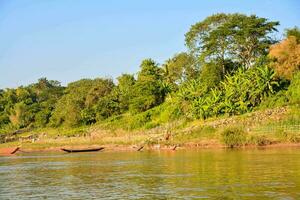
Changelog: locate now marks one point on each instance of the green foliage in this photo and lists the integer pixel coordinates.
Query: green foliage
(107, 106)
(293, 32)
(258, 140)
(148, 90)
(76, 106)
(237, 37)
(202, 132)
(234, 96)
(233, 137)
(190, 90)
(210, 77)
(275, 100)
(169, 111)
(125, 91)
(29, 106)
(42, 118)
(98, 88)
(180, 68)
(288, 136)
(140, 120)
(88, 116)
(294, 89)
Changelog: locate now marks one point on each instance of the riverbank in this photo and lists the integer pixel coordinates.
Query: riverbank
(4, 151)
(277, 127)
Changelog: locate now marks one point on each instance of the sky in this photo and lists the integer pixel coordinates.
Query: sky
(67, 40)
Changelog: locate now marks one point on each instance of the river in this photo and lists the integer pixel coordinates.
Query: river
(182, 174)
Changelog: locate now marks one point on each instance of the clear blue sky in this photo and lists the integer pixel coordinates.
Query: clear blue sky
(67, 40)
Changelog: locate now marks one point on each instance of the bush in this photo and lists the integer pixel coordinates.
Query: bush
(150, 125)
(140, 120)
(233, 137)
(276, 100)
(259, 140)
(288, 136)
(207, 132)
(169, 111)
(293, 138)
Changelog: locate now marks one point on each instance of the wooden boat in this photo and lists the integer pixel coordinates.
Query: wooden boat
(82, 150)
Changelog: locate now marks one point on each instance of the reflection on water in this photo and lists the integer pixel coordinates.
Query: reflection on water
(191, 174)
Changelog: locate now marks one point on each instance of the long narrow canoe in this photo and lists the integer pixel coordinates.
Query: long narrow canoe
(82, 150)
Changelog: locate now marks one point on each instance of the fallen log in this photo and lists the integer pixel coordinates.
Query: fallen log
(174, 148)
(139, 149)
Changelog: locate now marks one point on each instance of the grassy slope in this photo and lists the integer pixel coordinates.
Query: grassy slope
(270, 126)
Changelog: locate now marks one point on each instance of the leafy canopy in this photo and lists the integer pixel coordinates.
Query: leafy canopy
(235, 37)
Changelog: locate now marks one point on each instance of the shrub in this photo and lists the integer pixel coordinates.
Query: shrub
(259, 140)
(276, 100)
(207, 132)
(233, 137)
(150, 125)
(169, 110)
(288, 136)
(293, 138)
(140, 120)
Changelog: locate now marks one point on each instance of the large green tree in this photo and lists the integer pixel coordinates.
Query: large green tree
(31, 105)
(236, 37)
(124, 90)
(181, 67)
(148, 90)
(76, 106)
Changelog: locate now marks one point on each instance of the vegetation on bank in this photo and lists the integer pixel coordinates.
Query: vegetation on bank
(233, 66)
(264, 127)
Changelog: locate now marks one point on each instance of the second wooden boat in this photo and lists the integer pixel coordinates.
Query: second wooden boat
(82, 150)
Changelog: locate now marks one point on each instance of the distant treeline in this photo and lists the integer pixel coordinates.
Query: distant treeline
(233, 65)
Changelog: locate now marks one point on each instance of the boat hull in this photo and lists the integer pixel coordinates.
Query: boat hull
(82, 150)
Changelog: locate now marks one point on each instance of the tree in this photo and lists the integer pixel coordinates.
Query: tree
(125, 90)
(235, 37)
(48, 92)
(4, 118)
(18, 114)
(181, 67)
(210, 76)
(31, 105)
(293, 32)
(107, 106)
(286, 57)
(80, 95)
(148, 90)
(100, 88)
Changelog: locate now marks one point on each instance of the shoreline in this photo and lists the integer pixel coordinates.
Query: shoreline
(133, 148)
(249, 131)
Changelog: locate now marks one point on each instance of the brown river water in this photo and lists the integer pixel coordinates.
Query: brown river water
(182, 174)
